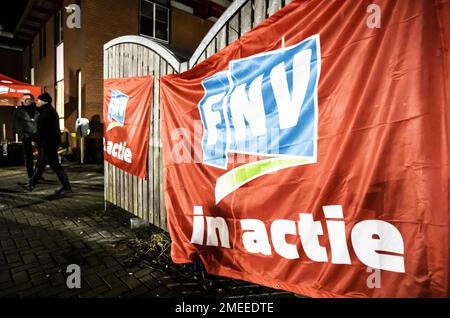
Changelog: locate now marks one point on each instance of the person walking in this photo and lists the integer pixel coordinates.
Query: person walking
(48, 138)
(24, 120)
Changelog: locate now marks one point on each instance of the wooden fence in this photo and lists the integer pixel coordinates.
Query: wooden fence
(138, 56)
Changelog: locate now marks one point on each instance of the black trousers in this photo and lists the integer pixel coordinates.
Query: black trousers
(28, 150)
(49, 155)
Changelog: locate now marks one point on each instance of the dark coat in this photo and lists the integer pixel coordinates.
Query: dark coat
(48, 133)
(24, 120)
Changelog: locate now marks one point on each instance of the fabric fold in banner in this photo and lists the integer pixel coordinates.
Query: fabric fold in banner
(126, 120)
(312, 154)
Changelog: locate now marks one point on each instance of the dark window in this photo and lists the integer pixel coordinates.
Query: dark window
(154, 19)
(59, 29)
(42, 43)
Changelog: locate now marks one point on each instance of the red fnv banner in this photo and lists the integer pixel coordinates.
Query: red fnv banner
(126, 111)
(312, 155)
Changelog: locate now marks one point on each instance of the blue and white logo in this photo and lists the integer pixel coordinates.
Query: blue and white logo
(4, 89)
(266, 105)
(117, 109)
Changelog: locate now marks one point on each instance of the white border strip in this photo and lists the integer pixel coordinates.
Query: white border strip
(212, 33)
(162, 51)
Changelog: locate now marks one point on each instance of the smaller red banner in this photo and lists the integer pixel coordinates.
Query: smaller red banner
(126, 111)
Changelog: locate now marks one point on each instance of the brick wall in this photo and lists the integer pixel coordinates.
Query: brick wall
(11, 63)
(101, 21)
(187, 30)
(44, 69)
(74, 56)
(105, 20)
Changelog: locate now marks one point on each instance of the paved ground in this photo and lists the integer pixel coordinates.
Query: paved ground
(41, 234)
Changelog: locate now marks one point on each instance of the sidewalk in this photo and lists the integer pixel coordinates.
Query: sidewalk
(41, 234)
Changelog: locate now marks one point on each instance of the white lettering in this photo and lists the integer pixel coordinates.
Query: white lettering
(250, 108)
(118, 150)
(215, 225)
(336, 229)
(309, 231)
(198, 226)
(288, 105)
(255, 237)
(371, 238)
(279, 229)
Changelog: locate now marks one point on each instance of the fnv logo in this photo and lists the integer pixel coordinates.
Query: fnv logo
(4, 90)
(265, 104)
(117, 109)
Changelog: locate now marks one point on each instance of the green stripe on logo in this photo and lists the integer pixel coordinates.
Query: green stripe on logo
(237, 177)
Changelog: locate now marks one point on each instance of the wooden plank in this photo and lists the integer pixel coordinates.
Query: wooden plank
(139, 61)
(136, 180)
(259, 12)
(110, 75)
(116, 182)
(130, 179)
(115, 170)
(105, 182)
(246, 18)
(163, 212)
(125, 199)
(165, 69)
(211, 48)
(201, 58)
(110, 172)
(221, 39)
(233, 28)
(274, 6)
(145, 62)
(161, 71)
(152, 200)
(105, 164)
(152, 63)
(123, 183)
(107, 185)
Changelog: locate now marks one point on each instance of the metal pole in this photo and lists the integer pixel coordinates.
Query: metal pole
(79, 114)
(82, 149)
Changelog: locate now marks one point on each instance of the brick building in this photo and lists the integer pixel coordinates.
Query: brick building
(67, 61)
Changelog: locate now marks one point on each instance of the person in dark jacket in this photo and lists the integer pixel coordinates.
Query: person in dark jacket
(24, 118)
(48, 138)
